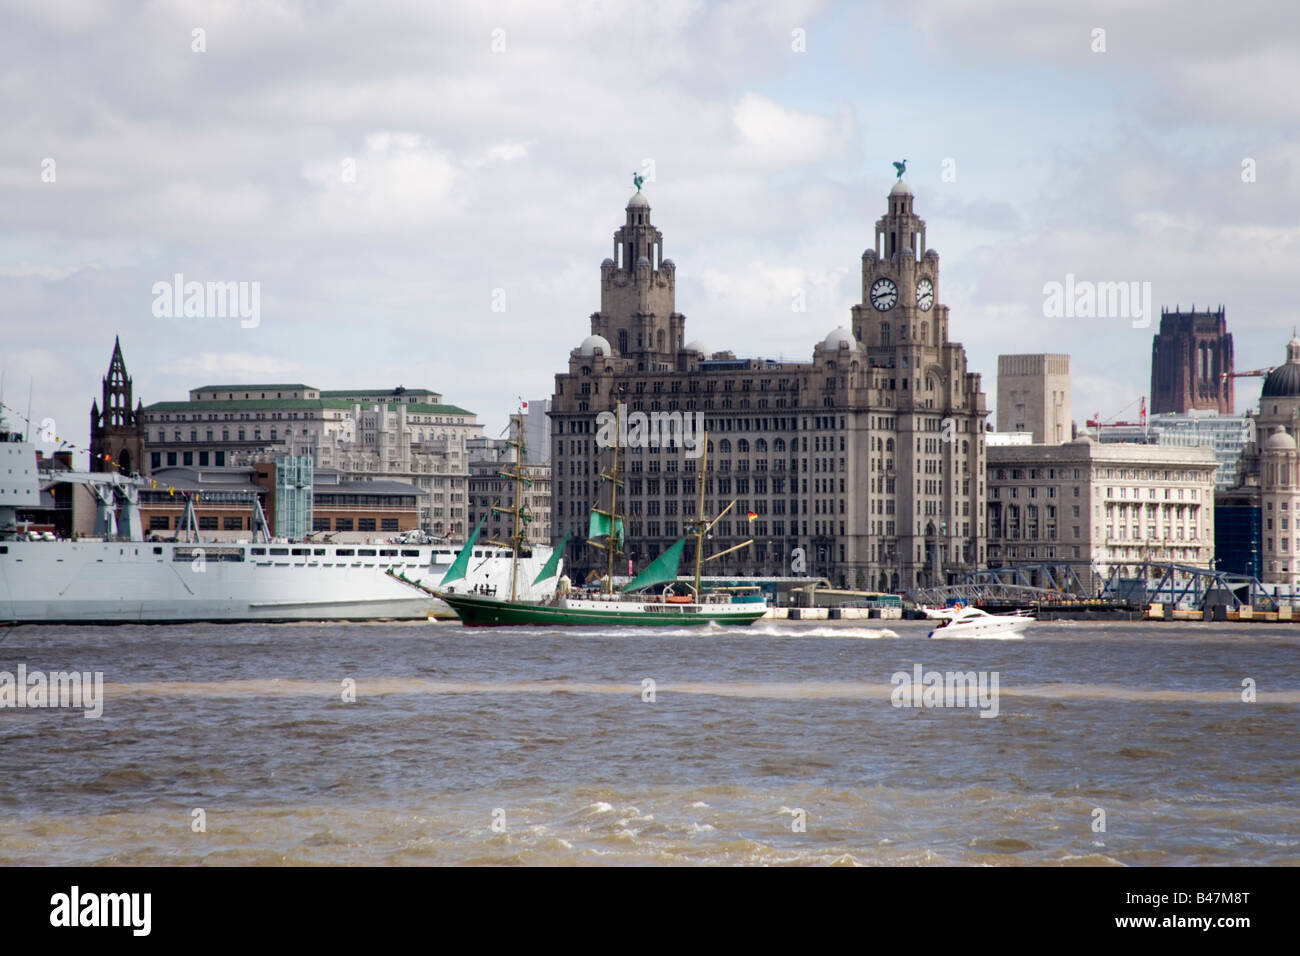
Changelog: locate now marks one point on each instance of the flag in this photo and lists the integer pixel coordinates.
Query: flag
(752, 515)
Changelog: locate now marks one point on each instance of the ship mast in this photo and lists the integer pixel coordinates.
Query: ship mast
(609, 526)
(520, 512)
(699, 526)
(703, 527)
(613, 501)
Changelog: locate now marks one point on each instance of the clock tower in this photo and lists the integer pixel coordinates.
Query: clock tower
(938, 410)
(900, 281)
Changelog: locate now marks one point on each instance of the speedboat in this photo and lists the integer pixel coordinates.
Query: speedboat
(972, 622)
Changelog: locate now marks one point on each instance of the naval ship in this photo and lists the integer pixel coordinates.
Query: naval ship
(117, 577)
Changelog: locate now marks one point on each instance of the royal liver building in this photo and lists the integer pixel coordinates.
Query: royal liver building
(864, 466)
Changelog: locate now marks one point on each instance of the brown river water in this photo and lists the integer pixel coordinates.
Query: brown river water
(775, 744)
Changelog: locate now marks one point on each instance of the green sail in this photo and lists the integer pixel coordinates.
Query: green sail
(599, 528)
(461, 564)
(662, 569)
(552, 563)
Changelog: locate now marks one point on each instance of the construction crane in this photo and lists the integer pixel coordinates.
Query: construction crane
(1096, 422)
(1253, 373)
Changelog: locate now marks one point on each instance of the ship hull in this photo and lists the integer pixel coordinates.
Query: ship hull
(82, 582)
(475, 611)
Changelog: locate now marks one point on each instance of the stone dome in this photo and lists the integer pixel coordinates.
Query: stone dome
(1279, 440)
(901, 189)
(932, 253)
(638, 201)
(696, 346)
(1284, 381)
(607, 262)
(869, 254)
(592, 343)
(668, 264)
(840, 338)
(643, 261)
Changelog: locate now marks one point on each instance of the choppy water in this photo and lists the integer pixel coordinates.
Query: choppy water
(748, 728)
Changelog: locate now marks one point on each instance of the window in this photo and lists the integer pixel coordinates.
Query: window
(342, 524)
(232, 523)
(388, 524)
(207, 522)
(158, 522)
(365, 524)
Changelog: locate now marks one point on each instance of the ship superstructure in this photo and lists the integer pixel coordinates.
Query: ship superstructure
(117, 577)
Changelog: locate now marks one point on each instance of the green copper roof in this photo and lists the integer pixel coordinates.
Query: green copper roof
(255, 387)
(286, 404)
(341, 392)
(436, 409)
(241, 405)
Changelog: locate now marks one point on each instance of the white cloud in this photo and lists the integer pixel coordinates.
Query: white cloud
(397, 182)
(234, 367)
(477, 170)
(498, 153)
(776, 135)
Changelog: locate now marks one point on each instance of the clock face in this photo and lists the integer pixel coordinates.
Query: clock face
(925, 295)
(884, 294)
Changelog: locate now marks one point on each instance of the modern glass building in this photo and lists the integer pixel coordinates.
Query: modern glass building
(1237, 531)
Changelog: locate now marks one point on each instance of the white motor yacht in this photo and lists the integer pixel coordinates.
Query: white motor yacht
(972, 622)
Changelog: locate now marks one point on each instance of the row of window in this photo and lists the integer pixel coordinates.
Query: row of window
(362, 524)
(206, 522)
(156, 458)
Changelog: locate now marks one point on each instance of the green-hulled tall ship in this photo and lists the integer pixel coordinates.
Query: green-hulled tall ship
(653, 598)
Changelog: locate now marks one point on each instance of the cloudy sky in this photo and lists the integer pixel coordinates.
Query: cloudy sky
(383, 169)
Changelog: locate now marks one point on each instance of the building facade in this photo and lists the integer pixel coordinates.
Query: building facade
(1096, 507)
(864, 465)
(399, 434)
(116, 427)
(1270, 470)
(1190, 357)
(344, 511)
(490, 457)
(1226, 435)
(1034, 397)
(537, 430)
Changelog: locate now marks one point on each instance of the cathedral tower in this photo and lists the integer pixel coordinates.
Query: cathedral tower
(118, 429)
(1190, 356)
